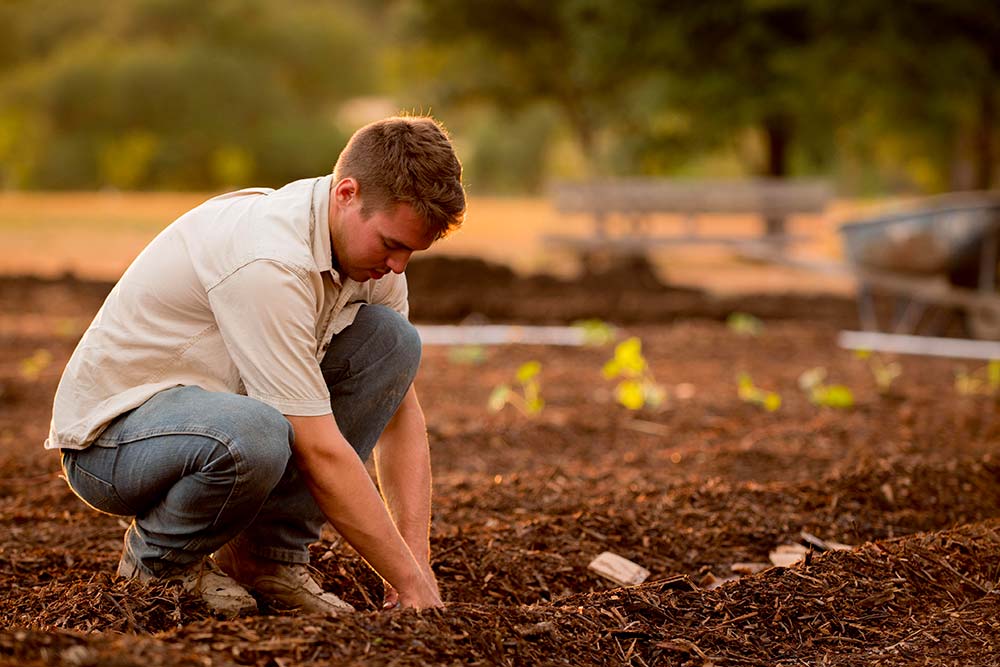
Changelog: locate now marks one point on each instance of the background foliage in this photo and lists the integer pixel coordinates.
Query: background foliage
(178, 94)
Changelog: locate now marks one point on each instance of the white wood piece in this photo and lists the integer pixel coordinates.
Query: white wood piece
(500, 334)
(620, 570)
(785, 555)
(957, 348)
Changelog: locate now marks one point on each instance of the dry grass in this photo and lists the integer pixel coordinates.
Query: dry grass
(97, 234)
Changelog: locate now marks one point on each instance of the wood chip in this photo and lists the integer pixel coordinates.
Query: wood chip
(749, 568)
(823, 545)
(785, 555)
(619, 570)
(710, 581)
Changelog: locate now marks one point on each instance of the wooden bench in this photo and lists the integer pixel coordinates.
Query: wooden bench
(634, 202)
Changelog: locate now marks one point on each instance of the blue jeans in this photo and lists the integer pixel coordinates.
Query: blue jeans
(197, 469)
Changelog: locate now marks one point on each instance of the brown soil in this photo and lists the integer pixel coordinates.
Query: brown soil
(910, 478)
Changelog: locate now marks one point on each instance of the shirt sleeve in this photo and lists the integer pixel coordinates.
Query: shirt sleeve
(266, 314)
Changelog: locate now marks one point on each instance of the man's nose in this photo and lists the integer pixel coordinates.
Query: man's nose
(397, 261)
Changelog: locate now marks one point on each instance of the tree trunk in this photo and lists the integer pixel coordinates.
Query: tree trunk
(779, 136)
(985, 129)
(778, 131)
(585, 135)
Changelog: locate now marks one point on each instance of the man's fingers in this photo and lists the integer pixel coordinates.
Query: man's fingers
(391, 598)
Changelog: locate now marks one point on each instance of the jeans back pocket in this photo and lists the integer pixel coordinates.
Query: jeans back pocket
(91, 489)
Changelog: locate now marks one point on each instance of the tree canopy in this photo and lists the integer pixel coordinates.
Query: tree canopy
(185, 94)
(175, 93)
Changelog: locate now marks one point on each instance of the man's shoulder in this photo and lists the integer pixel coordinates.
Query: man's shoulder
(241, 193)
(229, 231)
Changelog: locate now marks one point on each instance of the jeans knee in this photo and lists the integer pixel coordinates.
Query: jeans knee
(261, 440)
(397, 335)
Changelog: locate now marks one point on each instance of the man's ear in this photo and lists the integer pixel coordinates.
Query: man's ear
(345, 190)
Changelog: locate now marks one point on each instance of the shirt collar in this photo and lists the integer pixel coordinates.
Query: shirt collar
(321, 243)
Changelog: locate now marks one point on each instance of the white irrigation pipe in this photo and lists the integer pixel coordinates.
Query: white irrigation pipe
(500, 334)
(958, 348)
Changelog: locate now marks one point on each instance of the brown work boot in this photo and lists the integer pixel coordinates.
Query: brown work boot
(220, 592)
(284, 586)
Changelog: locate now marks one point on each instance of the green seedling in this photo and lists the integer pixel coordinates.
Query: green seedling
(983, 381)
(32, 367)
(750, 393)
(467, 355)
(885, 373)
(636, 387)
(525, 396)
(596, 333)
(745, 324)
(68, 328)
(813, 382)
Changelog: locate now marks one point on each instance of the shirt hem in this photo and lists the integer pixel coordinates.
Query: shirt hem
(296, 408)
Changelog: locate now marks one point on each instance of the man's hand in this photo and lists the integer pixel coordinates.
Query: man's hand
(391, 598)
(394, 599)
(402, 461)
(347, 496)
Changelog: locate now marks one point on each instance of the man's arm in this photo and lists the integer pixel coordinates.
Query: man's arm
(346, 495)
(402, 462)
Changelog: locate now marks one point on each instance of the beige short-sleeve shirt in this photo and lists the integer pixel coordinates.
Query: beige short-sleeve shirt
(238, 295)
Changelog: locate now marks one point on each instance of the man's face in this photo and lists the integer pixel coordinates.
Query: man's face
(367, 249)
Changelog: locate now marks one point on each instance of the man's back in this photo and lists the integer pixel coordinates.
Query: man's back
(158, 329)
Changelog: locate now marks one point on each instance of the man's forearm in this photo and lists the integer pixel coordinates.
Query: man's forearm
(402, 461)
(345, 493)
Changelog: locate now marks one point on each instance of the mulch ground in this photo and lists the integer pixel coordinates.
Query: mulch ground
(910, 479)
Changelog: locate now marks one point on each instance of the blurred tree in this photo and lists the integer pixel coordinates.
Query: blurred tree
(925, 75)
(583, 56)
(749, 64)
(175, 93)
(661, 80)
(507, 152)
(184, 93)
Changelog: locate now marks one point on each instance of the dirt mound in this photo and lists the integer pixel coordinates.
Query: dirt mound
(449, 289)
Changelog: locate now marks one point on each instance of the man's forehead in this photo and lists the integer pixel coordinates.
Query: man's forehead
(406, 228)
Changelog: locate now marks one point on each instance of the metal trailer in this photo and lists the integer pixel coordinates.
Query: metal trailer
(918, 268)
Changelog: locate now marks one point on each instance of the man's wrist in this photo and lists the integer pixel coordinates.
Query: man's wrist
(419, 546)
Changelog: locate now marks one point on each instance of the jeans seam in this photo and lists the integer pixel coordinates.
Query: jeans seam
(238, 481)
(239, 463)
(216, 435)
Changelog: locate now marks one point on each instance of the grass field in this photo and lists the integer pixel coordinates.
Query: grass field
(96, 235)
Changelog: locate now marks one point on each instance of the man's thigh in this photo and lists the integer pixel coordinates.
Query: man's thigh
(228, 440)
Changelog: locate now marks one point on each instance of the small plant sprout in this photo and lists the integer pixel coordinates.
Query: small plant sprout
(636, 387)
(745, 324)
(596, 333)
(885, 373)
(750, 393)
(467, 355)
(31, 367)
(526, 396)
(813, 382)
(983, 381)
